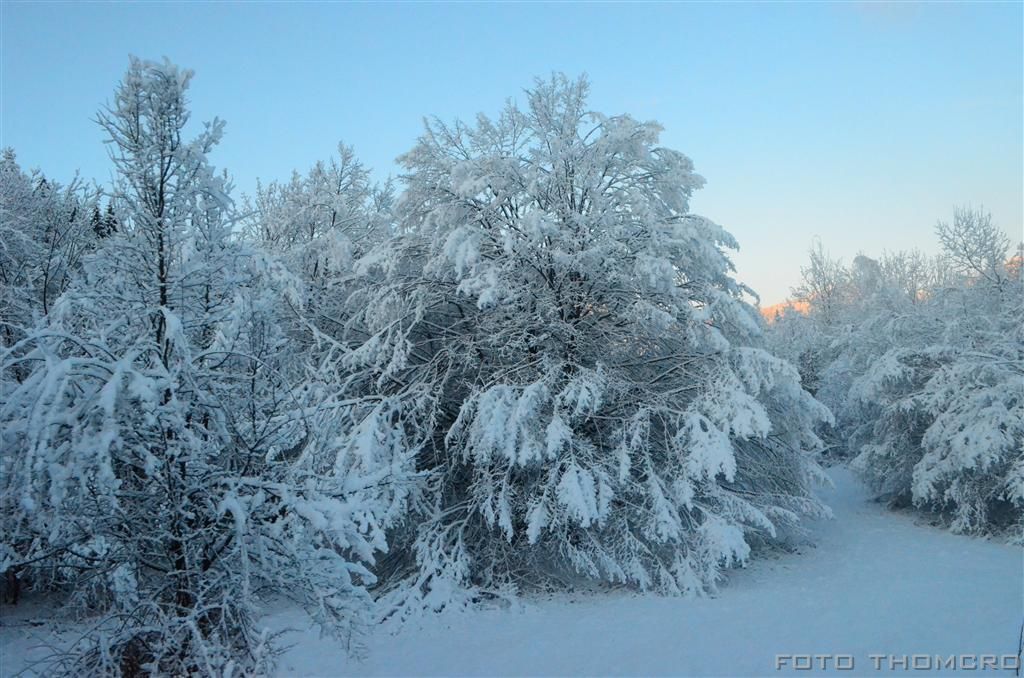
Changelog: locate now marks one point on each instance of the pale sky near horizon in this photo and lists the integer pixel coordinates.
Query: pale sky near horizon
(861, 124)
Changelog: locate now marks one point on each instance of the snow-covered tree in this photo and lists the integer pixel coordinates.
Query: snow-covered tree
(318, 224)
(170, 461)
(566, 345)
(44, 232)
(824, 285)
(323, 219)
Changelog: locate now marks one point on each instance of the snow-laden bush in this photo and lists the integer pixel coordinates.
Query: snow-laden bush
(169, 462)
(567, 346)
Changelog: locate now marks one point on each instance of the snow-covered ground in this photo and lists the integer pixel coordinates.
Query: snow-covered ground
(875, 583)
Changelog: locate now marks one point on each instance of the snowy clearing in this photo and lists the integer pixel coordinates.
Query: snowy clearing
(874, 583)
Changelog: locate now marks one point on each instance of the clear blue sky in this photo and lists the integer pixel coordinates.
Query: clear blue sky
(861, 124)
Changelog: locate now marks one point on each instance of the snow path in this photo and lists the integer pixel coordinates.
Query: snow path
(874, 583)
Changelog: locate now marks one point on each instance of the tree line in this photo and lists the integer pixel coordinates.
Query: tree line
(921, 358)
